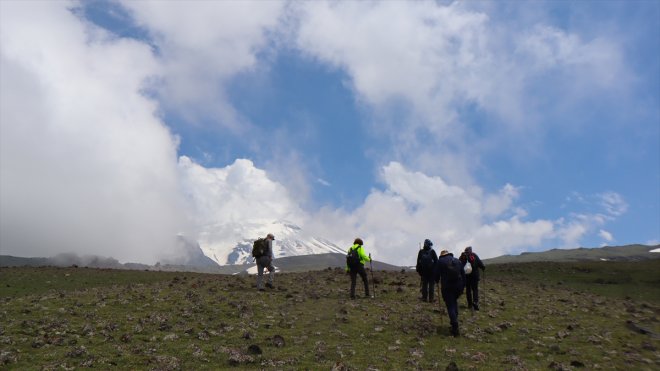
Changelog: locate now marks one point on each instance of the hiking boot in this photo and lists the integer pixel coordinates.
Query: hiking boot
(476, 307)
(270, 285)
(262, 289)
(454, 331)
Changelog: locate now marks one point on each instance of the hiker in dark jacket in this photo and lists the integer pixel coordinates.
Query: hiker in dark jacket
(358, 268)
(472, 282)
(426, 260)
(449, 272)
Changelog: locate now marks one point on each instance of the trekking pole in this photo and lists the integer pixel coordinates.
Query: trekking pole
(484, 290)
(442, 314)
(373, 283)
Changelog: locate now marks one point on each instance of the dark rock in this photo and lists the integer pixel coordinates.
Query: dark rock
(452, 366)
(254, 349)
(577, 364)
(278, 341)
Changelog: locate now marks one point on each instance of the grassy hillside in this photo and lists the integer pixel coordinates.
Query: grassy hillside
(534, 316)
(617, 253)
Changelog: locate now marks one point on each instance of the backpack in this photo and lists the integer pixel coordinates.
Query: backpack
(353, 258)
(467, 268)
(453, 273)
(471, 258)
(426, 261)
(259, 247)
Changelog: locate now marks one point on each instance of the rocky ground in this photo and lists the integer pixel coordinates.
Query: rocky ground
(169, 321)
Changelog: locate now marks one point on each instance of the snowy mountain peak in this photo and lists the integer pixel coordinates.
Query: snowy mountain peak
(289, 241)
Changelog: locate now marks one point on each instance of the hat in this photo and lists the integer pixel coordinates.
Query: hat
(444, 252)
(468, 249)
(270, 235)
(428, 242)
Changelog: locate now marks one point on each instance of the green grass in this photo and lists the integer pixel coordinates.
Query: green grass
(637, 280)
(532, 317)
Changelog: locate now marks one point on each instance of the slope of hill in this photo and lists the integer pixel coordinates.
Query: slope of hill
(531, 319)
(607, 253)
(298, 263)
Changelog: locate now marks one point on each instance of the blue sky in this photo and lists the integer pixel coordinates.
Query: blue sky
(509, 126)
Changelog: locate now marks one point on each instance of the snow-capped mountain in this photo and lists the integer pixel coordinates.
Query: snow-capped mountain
(289, 241)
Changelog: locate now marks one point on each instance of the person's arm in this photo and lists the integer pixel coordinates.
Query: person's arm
(480, 264)
(363, 256)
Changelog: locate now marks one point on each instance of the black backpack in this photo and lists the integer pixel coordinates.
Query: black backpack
(259, 247)
(453, 272)
(426, 261)
(353, 258)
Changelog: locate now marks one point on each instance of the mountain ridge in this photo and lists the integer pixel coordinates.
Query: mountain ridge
(632, 252)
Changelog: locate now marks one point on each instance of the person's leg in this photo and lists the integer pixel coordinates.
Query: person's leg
(468, 292)
(425, 289)
(271, 274)
(447, 298)
(353, 274)
(363, 275)
(431, 289)
(452, 308)
(260, 276)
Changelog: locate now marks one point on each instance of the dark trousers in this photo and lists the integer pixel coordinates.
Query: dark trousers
(472, 292)
(450, 296)
(428, 285)
(363, 274)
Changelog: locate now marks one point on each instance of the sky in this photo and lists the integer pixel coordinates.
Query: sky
(508, 126)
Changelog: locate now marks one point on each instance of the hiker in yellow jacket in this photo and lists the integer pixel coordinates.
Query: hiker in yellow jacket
(355, 260)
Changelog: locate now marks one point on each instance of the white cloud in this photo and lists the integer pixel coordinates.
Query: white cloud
(414, 206)
(435, 60)
(613, 203)
(227, 204)
(605, 235)
(202, 44)
(86, 166)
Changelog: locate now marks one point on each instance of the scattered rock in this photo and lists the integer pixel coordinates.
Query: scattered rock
(77, 352)
(278, 341)
(577, 364)
(166, 363)
(8, 357)
(254, 349)
(452, 366)
(339, 366)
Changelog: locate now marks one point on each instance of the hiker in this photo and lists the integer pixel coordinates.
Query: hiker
(262, 250)
(355, 260)
(449, 272)
(426, 260)
(472, 282)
